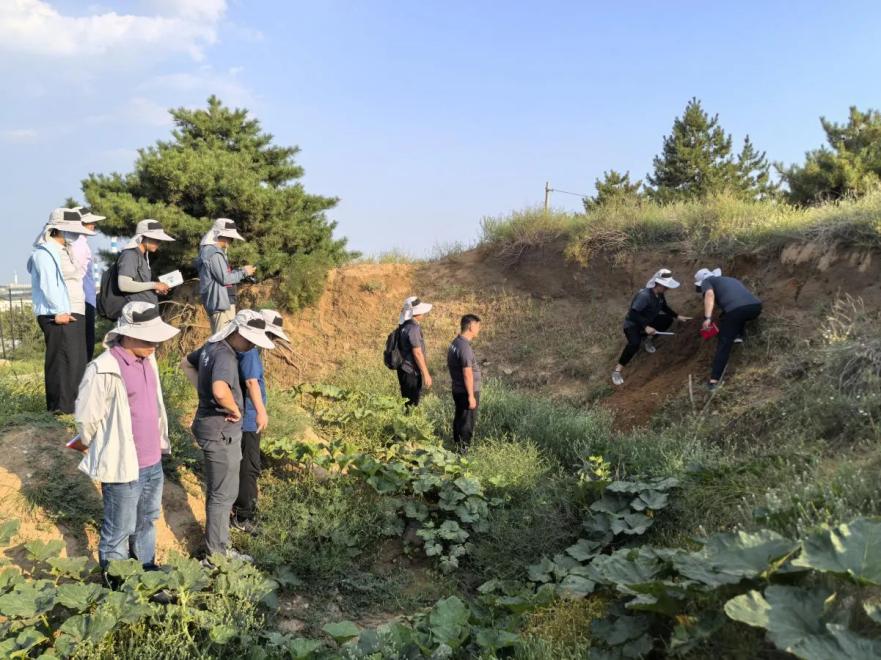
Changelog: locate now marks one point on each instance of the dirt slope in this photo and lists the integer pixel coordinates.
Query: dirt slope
(554, 326)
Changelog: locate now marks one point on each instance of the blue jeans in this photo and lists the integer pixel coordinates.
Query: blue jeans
(130, 512)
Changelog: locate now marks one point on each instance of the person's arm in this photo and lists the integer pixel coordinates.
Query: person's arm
(128, 285)
(46, 268)
(419, 359)
(217, 268)
(222, 393)
(90, 409)
(127, 271)
(709, 303)
(468, 377)
(190, 370)
(256, 396)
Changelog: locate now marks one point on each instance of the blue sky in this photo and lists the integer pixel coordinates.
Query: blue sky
(422, 116)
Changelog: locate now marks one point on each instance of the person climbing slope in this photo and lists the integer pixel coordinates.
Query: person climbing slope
(649, 314)
(738, 306)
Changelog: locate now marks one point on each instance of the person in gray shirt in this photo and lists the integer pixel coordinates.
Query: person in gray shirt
(738, 305)
(413, 373)
(217, 426)
(134, 275)
(465, 375)
(217, 281)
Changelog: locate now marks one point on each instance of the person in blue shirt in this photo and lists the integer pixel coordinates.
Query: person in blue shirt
(254, 421)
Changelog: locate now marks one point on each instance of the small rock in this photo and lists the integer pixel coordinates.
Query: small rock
(291, 626)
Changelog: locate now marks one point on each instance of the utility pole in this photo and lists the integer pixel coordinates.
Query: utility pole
(547, 195)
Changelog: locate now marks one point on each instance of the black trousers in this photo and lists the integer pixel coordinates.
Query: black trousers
(731, 326)
(90, 332)
(65, 361)
(411, 386)
(635, 335)
(245, 506)
(464, 419)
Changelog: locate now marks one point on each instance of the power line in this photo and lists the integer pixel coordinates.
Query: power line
(549, 190)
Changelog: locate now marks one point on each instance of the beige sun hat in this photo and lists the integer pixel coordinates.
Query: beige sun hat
(274, 323)
(148, 228)
(226, 228)
(664, 277)
(68, 220)
(704, 273)
(141, 320)
(88, 216)
(413, 306)
(250, 324)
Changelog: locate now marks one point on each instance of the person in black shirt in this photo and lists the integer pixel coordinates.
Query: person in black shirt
(738, 306)
(465, 376)
(649, 313)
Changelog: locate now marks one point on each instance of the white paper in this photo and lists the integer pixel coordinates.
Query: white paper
(172, 279)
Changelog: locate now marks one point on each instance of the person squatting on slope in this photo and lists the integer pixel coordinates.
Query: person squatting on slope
(217, 281)
(123, 427)
(465, 376)
(83, 254)
(738, 306)
(217, 426)
(649, 313)
(134, 276)
(59, 303)
(413, 373)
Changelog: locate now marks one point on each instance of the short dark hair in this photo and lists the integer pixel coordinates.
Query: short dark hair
(467, 320)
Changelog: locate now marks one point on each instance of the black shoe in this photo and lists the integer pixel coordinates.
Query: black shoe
(243, 525)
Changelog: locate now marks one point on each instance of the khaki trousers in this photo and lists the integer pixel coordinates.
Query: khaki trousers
(220, 319)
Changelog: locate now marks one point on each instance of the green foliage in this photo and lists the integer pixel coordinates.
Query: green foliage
(219, 163)
(614, 189)
(696, 162)
(849, 165)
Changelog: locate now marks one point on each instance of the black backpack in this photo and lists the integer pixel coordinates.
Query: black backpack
(392, 355)
(110, 300)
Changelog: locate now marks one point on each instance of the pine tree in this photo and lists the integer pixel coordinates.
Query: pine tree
(614, 188)
(220, 164)
(849, 165)
(754, 173)
(695, 160)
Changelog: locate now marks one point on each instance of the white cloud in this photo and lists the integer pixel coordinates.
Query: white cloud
(198, 86)
(18, 135)
(35, 27)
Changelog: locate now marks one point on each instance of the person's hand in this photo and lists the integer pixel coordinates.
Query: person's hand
(707, 323)
(472, 403)
(161, 288)
(649, 330)
(426, 380)
(249, 270)
(64, 319)
(262, 421)
(683, 319)
(233, 415)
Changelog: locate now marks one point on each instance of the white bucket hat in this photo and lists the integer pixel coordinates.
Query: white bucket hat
(68, 220)
(141, 320)
(148, 228)
(704, 273)
(250, 324)
(664, 277)
(88, 216)
(413, 307)
(226, 228)
(274, 323)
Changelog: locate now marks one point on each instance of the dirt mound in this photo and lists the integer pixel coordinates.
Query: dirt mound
(41, 485)
(551, 325)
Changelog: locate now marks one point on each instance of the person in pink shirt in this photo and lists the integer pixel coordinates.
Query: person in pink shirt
(83, 254)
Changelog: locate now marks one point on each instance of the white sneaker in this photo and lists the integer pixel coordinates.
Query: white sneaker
(617, 378)
(649, 345)
(739, 340)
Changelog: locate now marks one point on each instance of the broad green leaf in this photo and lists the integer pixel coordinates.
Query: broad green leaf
(793, 617)
(124, 568)
(852, 549)
(621, 630)
(541, 571)
(79, 596)
(584, 550)
(610, 503)
(88, 627)
(342, 631)
(727, 558)
(576, 586)
(73, 567)
(690, 631)
(853, 646)
(28, 599)
(631, 524)
(448, 621)
(8, 530)
(624, 567)
(873, 609)
(40, 551)
(188, 574)
(9, 577)
(650, 499)
(125, 607)
(469, 486)
(492, 639)
(20, 645)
